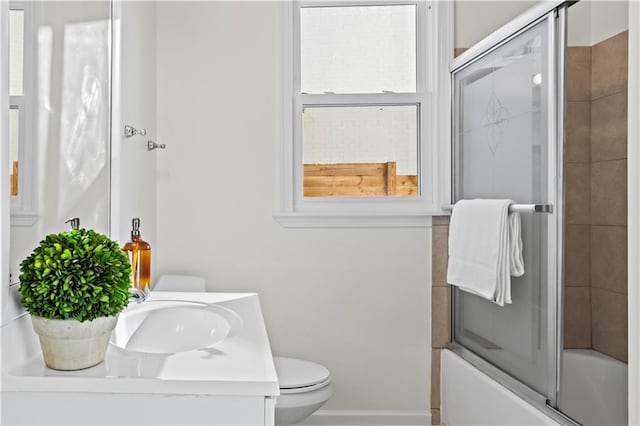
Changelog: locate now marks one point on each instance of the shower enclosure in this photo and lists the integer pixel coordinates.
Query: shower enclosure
(508, 139)
(506, 145)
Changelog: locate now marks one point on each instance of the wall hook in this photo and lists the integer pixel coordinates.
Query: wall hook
(151, 145)
(132, 131)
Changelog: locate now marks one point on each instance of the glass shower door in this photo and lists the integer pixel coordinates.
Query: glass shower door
(504, 108)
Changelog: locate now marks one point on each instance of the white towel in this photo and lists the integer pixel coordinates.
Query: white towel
(485, 248)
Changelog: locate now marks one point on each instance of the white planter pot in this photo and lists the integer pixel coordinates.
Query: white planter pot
(71, 344)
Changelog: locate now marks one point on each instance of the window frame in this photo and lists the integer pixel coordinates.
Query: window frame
(434, 50)
(24, 206)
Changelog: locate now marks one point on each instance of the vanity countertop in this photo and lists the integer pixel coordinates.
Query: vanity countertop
(241, 365)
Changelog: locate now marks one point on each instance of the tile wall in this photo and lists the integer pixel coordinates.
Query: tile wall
(596, 245)
(577, 324)
(608, 196)
(439, 308)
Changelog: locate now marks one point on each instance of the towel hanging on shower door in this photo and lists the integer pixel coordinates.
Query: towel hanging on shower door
(485, 248)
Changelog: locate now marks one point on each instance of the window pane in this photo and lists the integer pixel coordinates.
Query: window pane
(14, 148)
(360, 151)
(358, 49)
(16, 45)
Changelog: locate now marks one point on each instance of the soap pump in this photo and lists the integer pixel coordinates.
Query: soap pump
(139, 252)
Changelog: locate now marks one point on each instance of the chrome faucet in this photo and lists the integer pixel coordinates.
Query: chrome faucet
(138, 295)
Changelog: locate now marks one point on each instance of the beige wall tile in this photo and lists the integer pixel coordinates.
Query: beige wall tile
(608, 192)
(435, 378)
(439, 255)
(435, 417)
(577, 317)
(609, 65)
(609, 258)
(609, 323)
(578, 131)
(440, 220)
(609, 127)
(458, 51)
(439, 317)
(579, 73)
(577, 255)
(577, 194)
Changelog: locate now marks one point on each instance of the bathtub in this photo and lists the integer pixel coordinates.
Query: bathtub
(470, 397)
(594, 388)
(593, 392)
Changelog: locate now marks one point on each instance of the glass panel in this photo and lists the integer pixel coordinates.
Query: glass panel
(14, 149)
(358, 49)
(360, 150)
(16, 47)
(501, 143)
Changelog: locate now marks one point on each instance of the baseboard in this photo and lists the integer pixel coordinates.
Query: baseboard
(368, 418)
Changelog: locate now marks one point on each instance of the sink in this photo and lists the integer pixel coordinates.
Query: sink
(172, 326)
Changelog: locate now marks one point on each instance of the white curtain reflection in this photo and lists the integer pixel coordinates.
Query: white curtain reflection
(84, 111)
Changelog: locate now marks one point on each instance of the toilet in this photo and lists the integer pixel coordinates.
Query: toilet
(304, 385)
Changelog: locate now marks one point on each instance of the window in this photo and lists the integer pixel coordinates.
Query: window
(21, 112)
(364, 83)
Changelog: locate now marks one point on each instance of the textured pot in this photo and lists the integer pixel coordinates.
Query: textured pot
(71, 344)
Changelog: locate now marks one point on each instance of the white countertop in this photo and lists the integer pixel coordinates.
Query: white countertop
(238, 365)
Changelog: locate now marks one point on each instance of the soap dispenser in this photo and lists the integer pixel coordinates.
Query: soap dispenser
(139, 252)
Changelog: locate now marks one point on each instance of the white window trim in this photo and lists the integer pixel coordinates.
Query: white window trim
(435, 40)
(24, 207)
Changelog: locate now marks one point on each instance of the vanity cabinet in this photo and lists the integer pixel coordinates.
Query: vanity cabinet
(232, 382)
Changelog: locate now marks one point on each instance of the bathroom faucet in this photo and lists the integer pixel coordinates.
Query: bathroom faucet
(138, 295)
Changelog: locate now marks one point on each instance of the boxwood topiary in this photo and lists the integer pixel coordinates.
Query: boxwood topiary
(79, 274)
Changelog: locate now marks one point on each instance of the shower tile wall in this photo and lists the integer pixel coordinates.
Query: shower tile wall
(609, 196)
(596, 245)
(577, 316)
(439, 308)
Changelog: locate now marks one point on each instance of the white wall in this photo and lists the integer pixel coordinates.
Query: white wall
(138, 100)
(477, 19)
(608, 18)
(356, 300)
(590, 21)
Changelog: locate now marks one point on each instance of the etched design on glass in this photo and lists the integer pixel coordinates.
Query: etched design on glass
(496, 121)
(501, 114)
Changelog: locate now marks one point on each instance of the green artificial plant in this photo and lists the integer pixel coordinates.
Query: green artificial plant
(79, 274)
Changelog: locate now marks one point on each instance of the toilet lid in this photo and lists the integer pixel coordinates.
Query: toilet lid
(296, 373)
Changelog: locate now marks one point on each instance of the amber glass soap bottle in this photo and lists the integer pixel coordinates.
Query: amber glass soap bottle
(139, 252)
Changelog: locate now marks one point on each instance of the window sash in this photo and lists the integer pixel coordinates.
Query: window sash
(421, 48)
(363, 5)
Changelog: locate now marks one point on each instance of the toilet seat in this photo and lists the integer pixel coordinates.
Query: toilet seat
(298, 376)
(303, 389)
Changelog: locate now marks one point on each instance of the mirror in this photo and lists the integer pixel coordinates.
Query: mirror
(60, 74)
